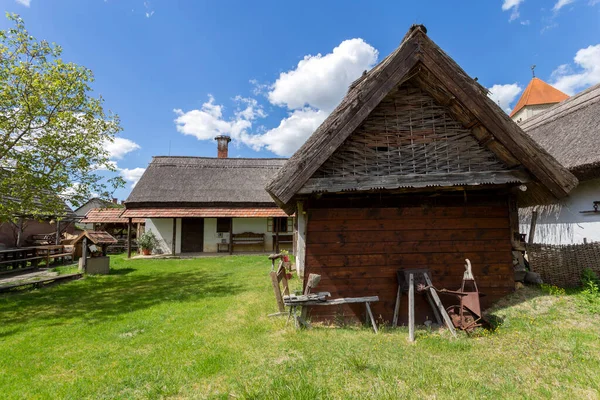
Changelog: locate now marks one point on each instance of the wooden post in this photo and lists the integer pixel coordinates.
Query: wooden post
(129, 238)
(397, 306)
(534, 216)
(301, 237)
(440, 306)
(277, 290)
(19, 232)
(83, 254)
(276, 227)
(231, 236)
(57, 240)
(370, 314)
(411, 308)
(174, 240)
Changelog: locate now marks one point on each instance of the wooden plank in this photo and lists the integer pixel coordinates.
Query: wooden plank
(411, 308)
(488, 257)
(389, 271)
(397, 307)
(345, 300)
(408, 224)
(128, 238)
(337, 184)
(408, 235)
(407, 212)
(174, 237)
(277, 291)
(370, 314)
(372, 246)
(440, 306)
(302, 218)
(534, 216)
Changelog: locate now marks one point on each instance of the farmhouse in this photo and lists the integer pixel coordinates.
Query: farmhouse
(570, 131)
(203, 204)
(415, 168)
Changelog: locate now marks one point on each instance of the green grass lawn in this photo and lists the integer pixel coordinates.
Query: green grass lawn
(199, 329)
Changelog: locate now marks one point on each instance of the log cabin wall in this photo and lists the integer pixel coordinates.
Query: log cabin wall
(358, 243)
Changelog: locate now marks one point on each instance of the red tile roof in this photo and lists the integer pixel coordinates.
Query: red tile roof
(539, 92)
(108, 216)
(203, 212)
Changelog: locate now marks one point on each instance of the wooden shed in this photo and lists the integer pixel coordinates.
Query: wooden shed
(416, 168)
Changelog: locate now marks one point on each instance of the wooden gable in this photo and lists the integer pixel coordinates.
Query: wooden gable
(410, 140)
(418, 60)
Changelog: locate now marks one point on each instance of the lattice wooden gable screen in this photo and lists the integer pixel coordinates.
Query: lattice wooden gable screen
(408, 133)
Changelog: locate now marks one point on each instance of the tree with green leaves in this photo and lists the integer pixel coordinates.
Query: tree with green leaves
(53, 132)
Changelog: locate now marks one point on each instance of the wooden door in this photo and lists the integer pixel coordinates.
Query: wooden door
(192, 235)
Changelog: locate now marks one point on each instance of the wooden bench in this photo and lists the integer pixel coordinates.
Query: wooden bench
(247, 238)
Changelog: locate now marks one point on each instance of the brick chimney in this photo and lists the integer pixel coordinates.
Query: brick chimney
(222, 146)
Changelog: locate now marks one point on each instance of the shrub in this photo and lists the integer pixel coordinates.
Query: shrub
(147, 240)
(591, 291)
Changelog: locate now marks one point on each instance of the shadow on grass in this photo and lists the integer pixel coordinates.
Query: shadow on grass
(122, 271)
(98, 298)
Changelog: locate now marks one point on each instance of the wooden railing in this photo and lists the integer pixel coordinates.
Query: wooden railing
(13, 260)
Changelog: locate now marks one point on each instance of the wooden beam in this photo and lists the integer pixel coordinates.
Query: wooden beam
(57, 239)
(129, 238)
(231, 237)
(83, 254)
(302, 219)
(534, 217)
(316, 185)
(174, 239)
(411, 308)
(440, 306)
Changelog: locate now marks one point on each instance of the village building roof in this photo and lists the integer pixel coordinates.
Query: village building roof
(538, 92)
(177, 186)
(570, 131)
(331, 160)
(108, 216)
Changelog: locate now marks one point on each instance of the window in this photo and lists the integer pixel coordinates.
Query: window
(223, 225)
(280, 224)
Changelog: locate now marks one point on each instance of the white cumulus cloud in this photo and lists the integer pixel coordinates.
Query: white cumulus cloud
(132, 175)
(321, 81)
(291, 133)
(512, 5)
(309, 92)
(505, 95)
(587, 73)
(120, 147)
(560, 4)
(208, 121)
(25, 3)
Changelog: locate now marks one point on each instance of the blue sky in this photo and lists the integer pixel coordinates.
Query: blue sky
(267, 73)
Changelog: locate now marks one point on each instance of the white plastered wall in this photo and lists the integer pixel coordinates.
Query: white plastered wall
(568, 225)
(163, 230)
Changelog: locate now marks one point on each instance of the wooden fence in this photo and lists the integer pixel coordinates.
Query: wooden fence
(562, 265)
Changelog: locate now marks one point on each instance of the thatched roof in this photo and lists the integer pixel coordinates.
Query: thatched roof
(570, 131)
(418, 61)
(202, 181)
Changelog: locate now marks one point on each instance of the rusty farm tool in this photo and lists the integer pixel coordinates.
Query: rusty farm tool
(467, 314)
